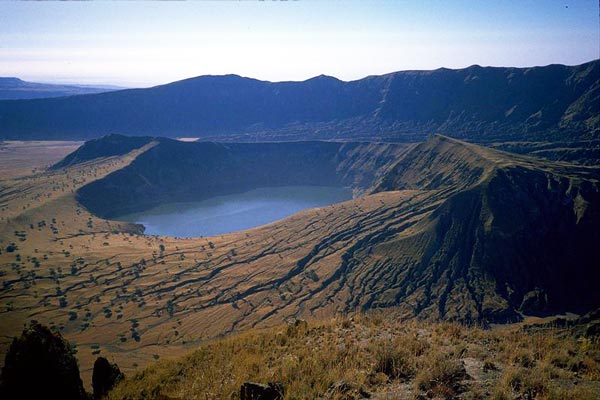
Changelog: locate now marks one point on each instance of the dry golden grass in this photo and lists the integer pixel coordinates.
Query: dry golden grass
(388, 359)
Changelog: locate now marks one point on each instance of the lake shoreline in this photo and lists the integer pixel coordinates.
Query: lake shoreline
(235, 212)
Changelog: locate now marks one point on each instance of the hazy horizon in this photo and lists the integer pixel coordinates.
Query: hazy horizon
(118, 87)
(146, 44)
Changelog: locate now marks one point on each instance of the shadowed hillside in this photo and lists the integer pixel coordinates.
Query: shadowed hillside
(512, 234)
(482, 103)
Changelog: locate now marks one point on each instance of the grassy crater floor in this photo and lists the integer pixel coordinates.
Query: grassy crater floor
(375, 356)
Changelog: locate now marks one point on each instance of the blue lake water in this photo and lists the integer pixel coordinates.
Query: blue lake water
(236, 212)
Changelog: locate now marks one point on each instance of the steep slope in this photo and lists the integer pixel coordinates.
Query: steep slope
(107, 146)
(440, 162)
(17, 89)
(555, 101)
(513, 234)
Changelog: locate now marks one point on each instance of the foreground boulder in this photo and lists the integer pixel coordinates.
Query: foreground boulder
(41, 365)
(258, 391)
(105, 377)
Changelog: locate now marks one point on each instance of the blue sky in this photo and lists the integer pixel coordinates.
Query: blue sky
(146, 43)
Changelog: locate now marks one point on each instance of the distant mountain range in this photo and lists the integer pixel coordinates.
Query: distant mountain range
(476, 103)
(17, 89)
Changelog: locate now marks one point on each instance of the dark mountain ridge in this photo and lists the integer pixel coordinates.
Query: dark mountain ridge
(477, 103)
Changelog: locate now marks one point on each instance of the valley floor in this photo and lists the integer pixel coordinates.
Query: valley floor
(20, 158)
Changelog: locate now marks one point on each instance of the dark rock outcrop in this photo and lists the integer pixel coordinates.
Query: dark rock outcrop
(105, 377)
(259, 391)
(40, 364)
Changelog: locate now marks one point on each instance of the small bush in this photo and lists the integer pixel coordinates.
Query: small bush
(40, 364)
(393, 362)
(441, 377)
(524, 383)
